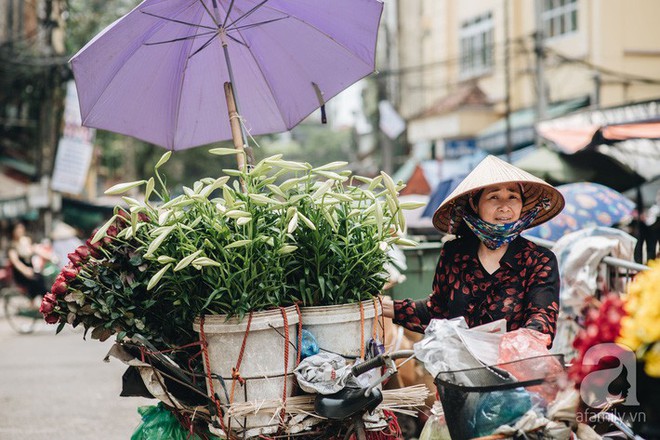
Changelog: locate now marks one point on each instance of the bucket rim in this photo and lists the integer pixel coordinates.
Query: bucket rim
(261, 320)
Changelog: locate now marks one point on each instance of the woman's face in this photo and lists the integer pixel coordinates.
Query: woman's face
(500, 204)
(19, 231)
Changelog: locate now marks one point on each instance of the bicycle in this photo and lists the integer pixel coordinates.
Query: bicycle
(21, 311)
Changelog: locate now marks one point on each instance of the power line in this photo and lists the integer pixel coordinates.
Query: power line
(622, 75)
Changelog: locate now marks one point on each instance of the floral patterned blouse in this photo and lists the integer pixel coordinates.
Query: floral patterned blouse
(524, 290)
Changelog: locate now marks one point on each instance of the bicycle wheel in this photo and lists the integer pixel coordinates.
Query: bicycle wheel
(22, 314)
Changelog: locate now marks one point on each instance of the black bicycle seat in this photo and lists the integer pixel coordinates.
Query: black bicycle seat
(346, 403)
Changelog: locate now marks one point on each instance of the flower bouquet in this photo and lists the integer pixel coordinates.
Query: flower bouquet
(618, 359)
(285, 233)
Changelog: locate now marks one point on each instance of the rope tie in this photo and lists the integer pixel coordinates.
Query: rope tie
(300, 323)
(374, 328)
(207, 364)
(382, 319)
(361, 331)
(236, 375)
(286, 364)
(235, 372)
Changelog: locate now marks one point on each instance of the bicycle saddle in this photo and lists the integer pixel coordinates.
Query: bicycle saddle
(346, 403)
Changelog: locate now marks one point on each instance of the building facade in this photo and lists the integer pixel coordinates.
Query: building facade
(463, 66)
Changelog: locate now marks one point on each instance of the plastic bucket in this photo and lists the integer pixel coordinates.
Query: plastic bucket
(337, 328)
(262, 365)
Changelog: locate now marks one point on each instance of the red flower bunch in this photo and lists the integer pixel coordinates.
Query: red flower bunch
(596, 340)
(52, 305)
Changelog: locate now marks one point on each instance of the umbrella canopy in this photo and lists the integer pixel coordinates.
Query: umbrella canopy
(587, 205)
(158, 73)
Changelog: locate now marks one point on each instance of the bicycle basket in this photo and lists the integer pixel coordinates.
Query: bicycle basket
(476, 401)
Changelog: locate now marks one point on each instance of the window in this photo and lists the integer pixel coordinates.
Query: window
(476, 45)
(559, 17)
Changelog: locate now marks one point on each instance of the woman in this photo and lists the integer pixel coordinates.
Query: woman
(22, 253)
(489, 271)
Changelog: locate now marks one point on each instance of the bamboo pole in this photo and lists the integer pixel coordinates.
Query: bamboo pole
(236, 132)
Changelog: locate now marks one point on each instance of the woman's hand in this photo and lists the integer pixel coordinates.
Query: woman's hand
(388, 306)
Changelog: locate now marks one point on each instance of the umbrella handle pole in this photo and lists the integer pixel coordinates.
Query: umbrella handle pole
(237, 132)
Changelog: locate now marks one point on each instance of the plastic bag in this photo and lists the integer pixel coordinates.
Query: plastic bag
(435, 427)
(499, 408)
(442, 348)
(158, 423)
(524, 344)
(309, 345)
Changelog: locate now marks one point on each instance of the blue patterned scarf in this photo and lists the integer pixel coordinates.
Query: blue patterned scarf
(494, 235)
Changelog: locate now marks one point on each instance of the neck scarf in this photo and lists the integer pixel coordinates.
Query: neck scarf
(494, 235)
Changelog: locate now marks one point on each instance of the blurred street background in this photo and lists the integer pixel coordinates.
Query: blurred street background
(58, 387)
(568, 90)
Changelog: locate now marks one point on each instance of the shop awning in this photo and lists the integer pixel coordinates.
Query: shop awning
(629, 134)
(493, 139)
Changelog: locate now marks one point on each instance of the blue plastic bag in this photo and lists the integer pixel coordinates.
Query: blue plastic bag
(309, 345)
(498, 408)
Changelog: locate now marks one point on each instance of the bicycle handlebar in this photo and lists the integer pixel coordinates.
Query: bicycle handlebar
(379, 361)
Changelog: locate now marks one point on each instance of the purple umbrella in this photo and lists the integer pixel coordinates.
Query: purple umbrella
(158, 73)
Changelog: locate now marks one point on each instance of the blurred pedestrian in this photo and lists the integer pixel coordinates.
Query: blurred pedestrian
(647, 231)
(26, 261)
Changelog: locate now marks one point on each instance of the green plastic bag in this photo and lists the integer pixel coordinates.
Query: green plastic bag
(159, 424)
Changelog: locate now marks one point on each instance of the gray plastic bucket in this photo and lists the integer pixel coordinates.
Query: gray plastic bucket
(262, 366)
(337, 328)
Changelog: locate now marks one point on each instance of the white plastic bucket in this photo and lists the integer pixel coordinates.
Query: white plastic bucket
(262, 365)
(337, 328)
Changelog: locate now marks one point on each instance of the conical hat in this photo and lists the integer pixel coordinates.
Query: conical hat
(494, 171)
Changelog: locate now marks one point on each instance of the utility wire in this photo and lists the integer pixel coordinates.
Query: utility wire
(604, 70)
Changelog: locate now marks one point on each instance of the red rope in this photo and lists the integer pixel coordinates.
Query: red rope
(374, 328)
(207, 365)
(286, 363)
(235, 372)
(300, 323)
(361, 331)
(391, 432)
(382, 319)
